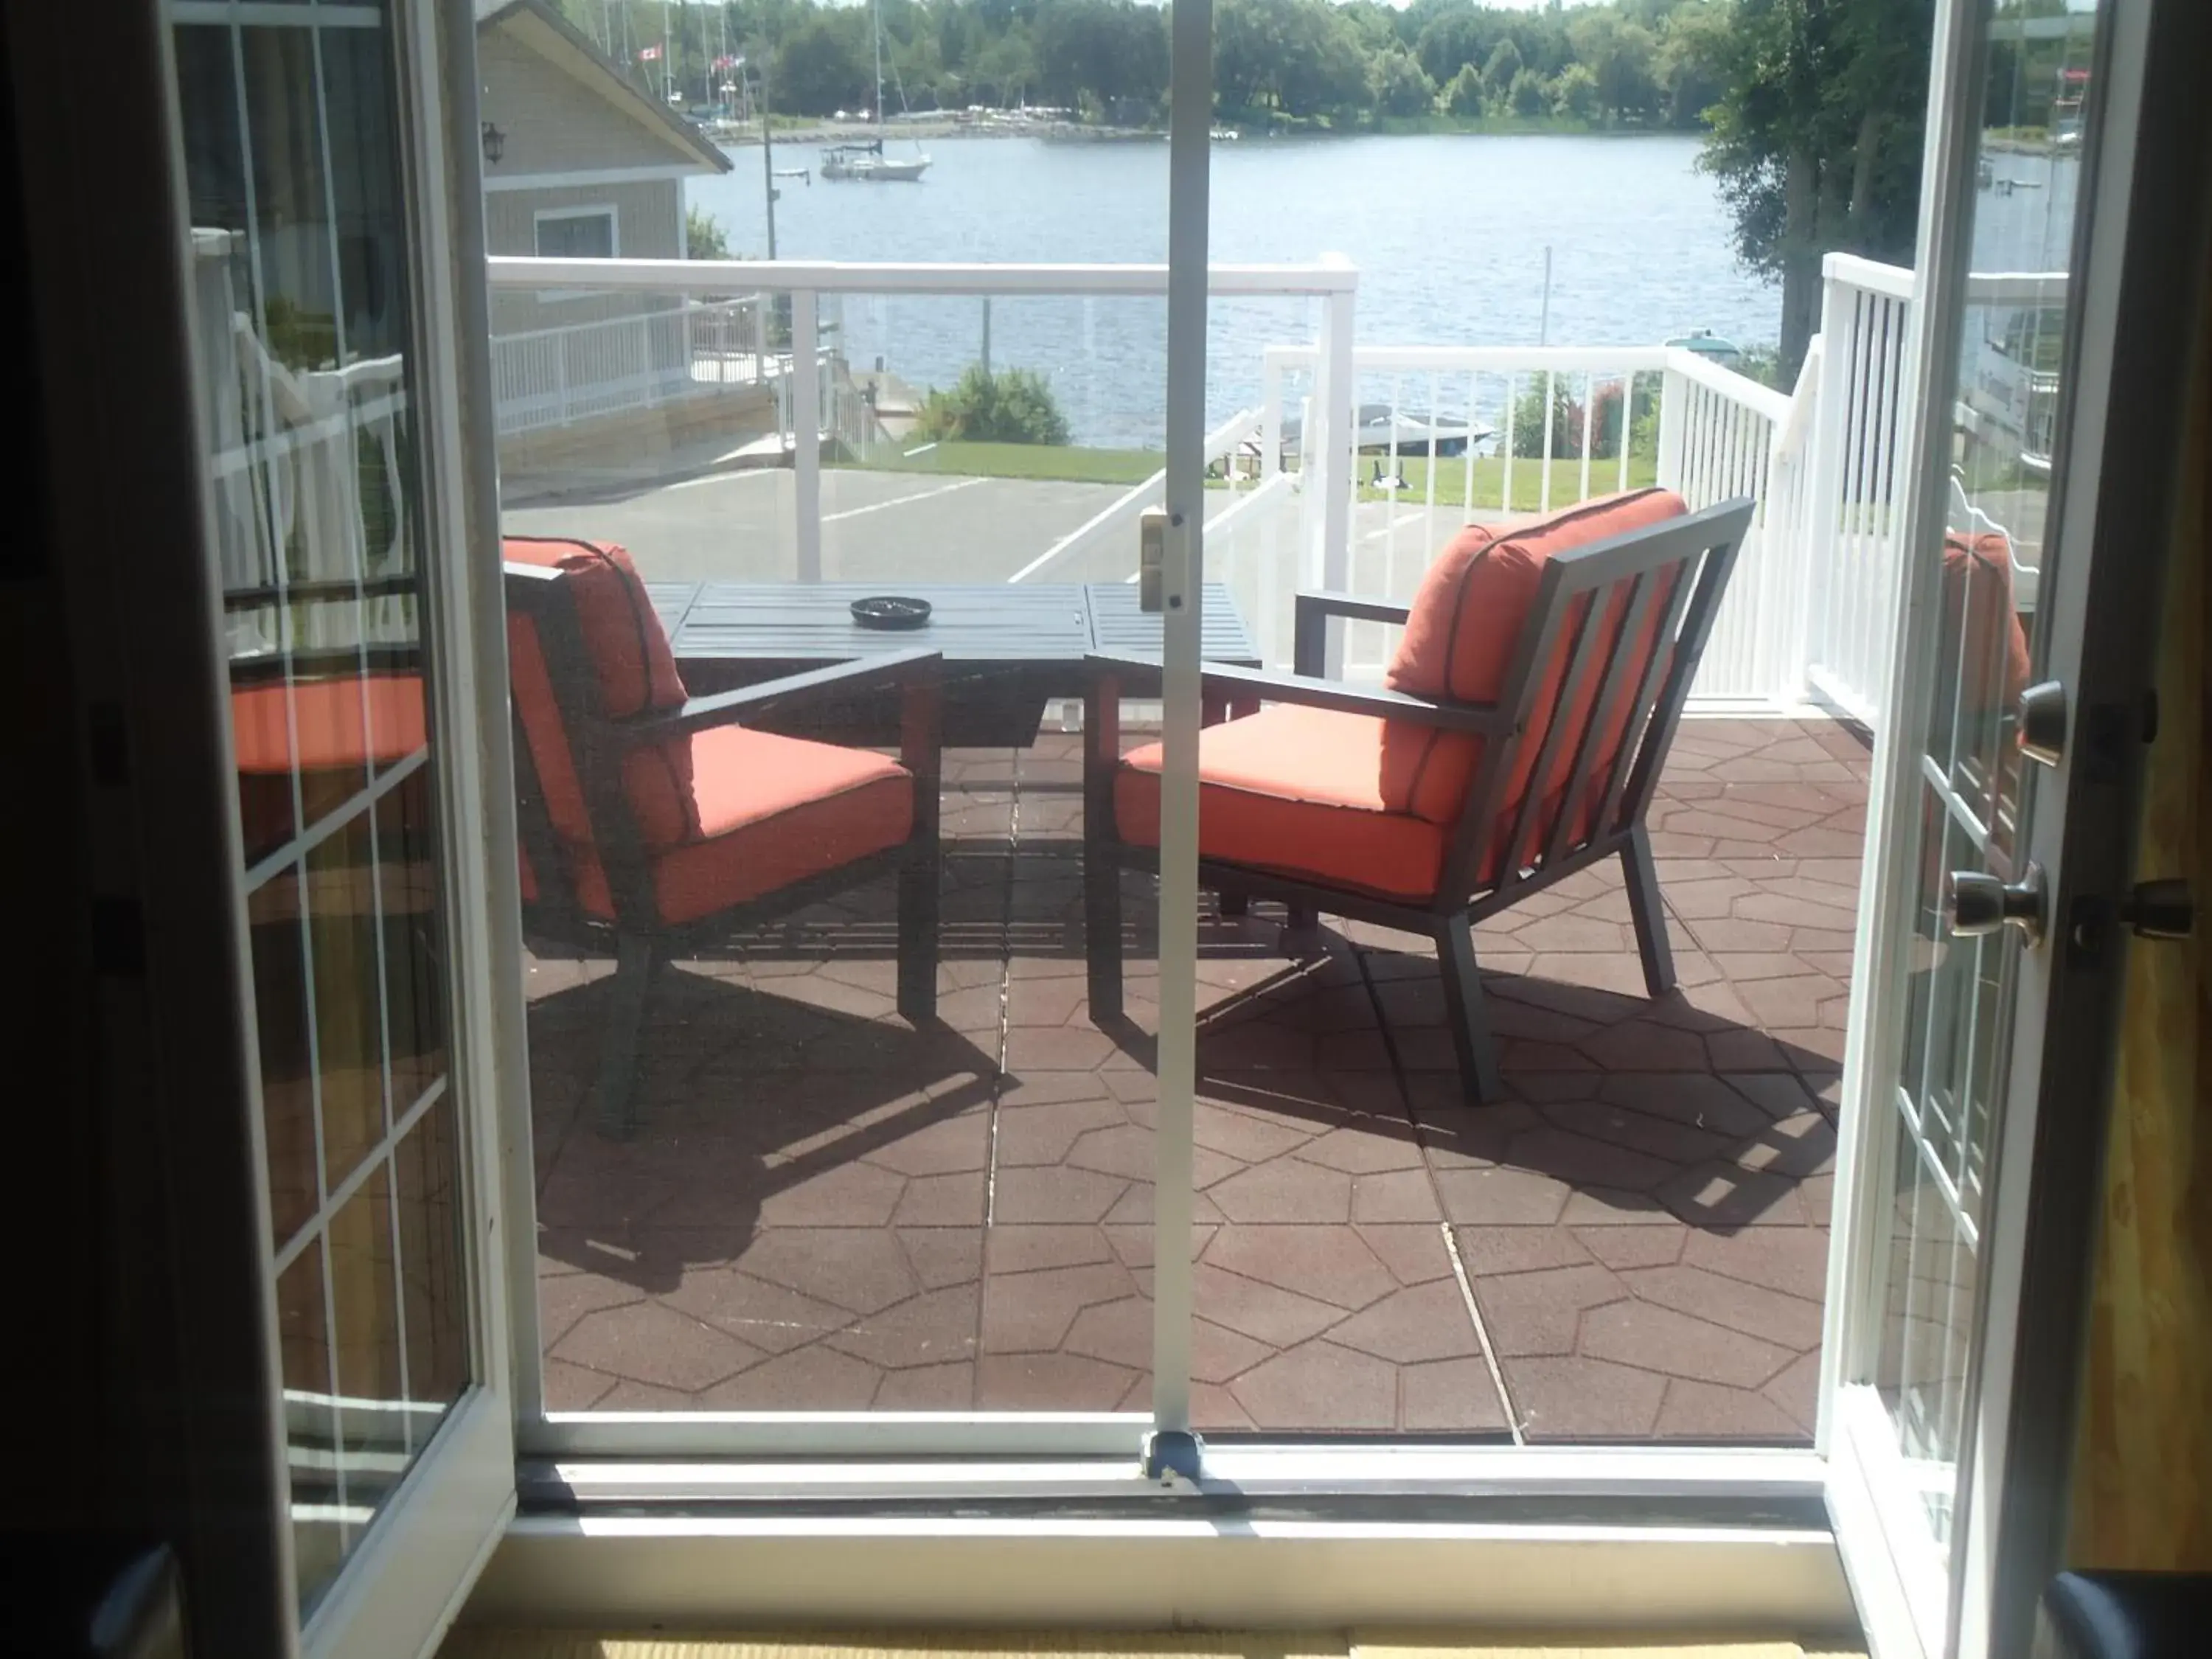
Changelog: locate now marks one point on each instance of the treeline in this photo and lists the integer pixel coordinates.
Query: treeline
(1277, 64)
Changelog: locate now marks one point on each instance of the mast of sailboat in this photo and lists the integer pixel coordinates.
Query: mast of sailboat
(876, 18)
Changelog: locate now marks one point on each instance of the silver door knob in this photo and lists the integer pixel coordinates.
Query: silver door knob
(2041, 732)
(1975, 904)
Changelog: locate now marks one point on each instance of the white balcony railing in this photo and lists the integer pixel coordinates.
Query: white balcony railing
(1330, 480)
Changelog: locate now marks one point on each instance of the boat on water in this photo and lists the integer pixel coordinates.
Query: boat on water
(863, 161)
(1382, 429)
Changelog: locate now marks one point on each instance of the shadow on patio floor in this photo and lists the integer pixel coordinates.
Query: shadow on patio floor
(828, 1210)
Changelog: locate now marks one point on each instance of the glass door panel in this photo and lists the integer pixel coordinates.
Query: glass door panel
(301, 273)
(1938, 1082)
(837, 1130)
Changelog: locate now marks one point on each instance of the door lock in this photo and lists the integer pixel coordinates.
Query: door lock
(1976, 905)
(2041, 733)
(2160, 910)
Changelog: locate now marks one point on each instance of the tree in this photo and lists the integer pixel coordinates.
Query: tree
(1467, 95)
(1816, 139)
(1399, 85)
(1575, 94)
(1531, 95)
(822, 65)
(1497, 74)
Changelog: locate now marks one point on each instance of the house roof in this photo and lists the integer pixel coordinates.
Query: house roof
(542, 27)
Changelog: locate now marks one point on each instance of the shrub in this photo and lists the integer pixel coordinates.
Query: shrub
(1011, 406)
(1567, 411)
(704, 237)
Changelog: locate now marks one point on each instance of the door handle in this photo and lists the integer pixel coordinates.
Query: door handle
(1976, 905)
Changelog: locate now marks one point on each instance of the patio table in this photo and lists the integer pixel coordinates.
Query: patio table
(1009, 647)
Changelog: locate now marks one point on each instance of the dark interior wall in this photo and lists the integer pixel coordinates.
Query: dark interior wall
(57, 1377)
(137, 1350)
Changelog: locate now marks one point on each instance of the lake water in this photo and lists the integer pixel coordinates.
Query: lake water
(1449, 234)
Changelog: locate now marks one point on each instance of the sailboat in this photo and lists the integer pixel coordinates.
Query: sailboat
(864, 160)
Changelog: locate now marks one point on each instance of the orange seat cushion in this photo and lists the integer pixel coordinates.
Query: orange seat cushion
(762, 812)
(1297, 791)
(1466, 621)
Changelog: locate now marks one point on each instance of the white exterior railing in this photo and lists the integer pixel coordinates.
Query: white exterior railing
(1328, 482)
(1848, 522)
(808, 283)
(1714, 437)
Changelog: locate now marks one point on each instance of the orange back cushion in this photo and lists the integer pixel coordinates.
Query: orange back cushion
(631, 660)
(1978, 614)
(1466, 621)
(622, 637)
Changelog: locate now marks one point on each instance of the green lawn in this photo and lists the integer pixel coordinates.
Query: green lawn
(1489, 480)
(1116, 466)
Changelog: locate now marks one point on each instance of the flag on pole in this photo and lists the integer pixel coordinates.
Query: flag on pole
(649, 55)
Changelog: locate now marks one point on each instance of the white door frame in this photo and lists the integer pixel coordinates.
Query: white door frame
(2132, 301)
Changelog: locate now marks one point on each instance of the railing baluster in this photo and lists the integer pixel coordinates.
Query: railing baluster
(1544, 496)
(1505, 489)
(1589, 410)
(806, 433)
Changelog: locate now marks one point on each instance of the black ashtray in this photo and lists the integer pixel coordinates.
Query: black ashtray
(891, 612)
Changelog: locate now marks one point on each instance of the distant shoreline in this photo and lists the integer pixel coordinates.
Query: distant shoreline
(1076, 132)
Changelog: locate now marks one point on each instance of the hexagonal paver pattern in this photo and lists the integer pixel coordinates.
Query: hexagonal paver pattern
(825, 1210)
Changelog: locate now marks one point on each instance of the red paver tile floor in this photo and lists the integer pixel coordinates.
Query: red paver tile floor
(826, 1209)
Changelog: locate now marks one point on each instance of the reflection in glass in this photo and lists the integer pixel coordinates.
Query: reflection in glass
(1975, 791)
(298, 259)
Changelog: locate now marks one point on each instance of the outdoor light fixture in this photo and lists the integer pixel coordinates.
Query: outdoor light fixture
(495, 143)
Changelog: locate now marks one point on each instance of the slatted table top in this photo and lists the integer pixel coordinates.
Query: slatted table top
(1012, 623)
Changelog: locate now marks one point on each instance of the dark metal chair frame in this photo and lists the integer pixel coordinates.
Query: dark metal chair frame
(636, 937)
(1702, 546)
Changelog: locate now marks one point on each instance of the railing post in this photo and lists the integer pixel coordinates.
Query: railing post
(1824, 471)
(1339, 456)
(560, 379)
(1271, 415)
(806, 433)
(1673, 412)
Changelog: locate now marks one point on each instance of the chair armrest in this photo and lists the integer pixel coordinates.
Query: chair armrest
(1310, 623)
(910, 668)
(1257, 684)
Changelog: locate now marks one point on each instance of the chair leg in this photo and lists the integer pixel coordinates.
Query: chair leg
(918, 884)
(1101, 923)
(1467, 1012)
(1303, 919)
(1647, 912)
(635, 961)
(1233, 903)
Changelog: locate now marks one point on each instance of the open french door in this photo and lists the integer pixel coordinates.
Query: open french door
(2061, 232)
(311, 158)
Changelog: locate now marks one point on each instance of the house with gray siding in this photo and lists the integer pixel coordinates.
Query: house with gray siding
(579, 162)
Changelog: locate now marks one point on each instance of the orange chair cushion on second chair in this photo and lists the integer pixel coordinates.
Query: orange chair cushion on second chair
(1350, 801)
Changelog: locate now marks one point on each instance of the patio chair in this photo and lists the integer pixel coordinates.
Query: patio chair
(1519, 737)
(652, 820)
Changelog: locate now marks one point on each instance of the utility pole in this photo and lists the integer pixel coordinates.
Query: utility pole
(767, 154)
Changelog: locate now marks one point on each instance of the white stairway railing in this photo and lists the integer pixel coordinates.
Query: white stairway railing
(550, 377)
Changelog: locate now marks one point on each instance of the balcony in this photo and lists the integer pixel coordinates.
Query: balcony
(826, 1209)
